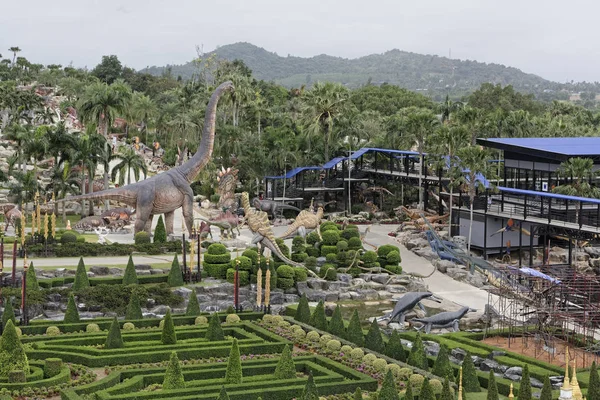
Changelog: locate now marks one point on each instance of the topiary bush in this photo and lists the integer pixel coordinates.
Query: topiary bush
(311, 263)
(9, 313)
(52, 331)
(71, 314)
(354, 332)
(32, 282)
(331, 258)
(173, 375)
(128, 326)
(324, 269)
(350, 232)
(313, 336)
(134, 310)
(470, 380)
(418, 357)
(342, 245)
(442, 366)
(312, 238)
(201, 320)
(354, 243)
(394, 348)
(214, 331)
(317, 318)
(232, 319)
(303, 310)
(130, 276)
(234, 365)
(285, 277)
(52, 367)
(91, 328)
(244, 276)
(327, 249)
(299, 257)
(357, 354)
(331, 275)
(285, 367)
(313, 252)
(327, 226)
(160, 233)
(81, 278)
(330, 237)
(12, 354)
(168, 336)
(300, 274)
(244, 262)
(193, 306)
(383, 251)
(217, 261)
(393, 258)
(141, 238)
(114, 339)
(175, 277)
(68, 237)
(373, 340)
(336, 324)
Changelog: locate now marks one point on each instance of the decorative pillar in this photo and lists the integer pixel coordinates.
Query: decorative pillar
(236, 286)
(566, 392)
(460, 385)
(183, 250)
(268, 289)
(24, 292)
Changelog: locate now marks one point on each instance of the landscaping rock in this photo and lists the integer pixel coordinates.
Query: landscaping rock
(160, 310)
(183, 292)
(143, 267)
(143, 272)
(115, 271)
(99, 270)
(458, 353)
(427, 254)
(345, 296)
(291, 298)
(490, 365)
(276, 298)
(52, 306)
(395, 288)
(156, 271)
(496, 353)
(513, 373)
(380, 278)
(457, 273)
(331, 296)
(59, 272)
(316, 283)
(416, 243)
(301, 287)
(536, 383)
(315, 295)
(346, 278)
(431, 348)
(443, 265)
(291, 291)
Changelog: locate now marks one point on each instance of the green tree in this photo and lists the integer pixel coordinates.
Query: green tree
(336, 324)
(144, 109)
(130, 276)
(525, 386)
(310, 390)
(193, 306)
(317, 318)
(81, 278)
(173, 375)
(446, 391)
(32, 282)
(160, 233)
(388, 390)
(130, 160)
(492, 387)
(214, 331)
(470, 380)
(175, 277)
(109, 69)
(546, 393)
(426, 392)
(71, 314)
(408, 394)
(9, 313)
(114, 339)
(100, 103)
(303, 310)
(168, 336)
(134, 310)
(234, 365)
(373, 340)
(12, 354)
(357, 394)
(285, 367)
(594, 383)
(223, 394)
(442, 366)
(418, 357)
(354, 332)
(394, 348)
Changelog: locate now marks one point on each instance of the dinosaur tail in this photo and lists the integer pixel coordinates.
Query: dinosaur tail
(288, 207)
(291, 229)
(123, 195)
(271, 245)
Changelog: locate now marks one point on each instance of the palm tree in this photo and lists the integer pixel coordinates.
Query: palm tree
(144, 109)
(470, 118)
(14, 50)
(24, 187)
(64, 181)
(105, 157)
(472, 161)
(89, 146)
(19, 133)
(130, 160)
(61, 144)
(101, 102)
(324, 104)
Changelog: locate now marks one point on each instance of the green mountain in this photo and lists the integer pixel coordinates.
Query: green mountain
(429, 74)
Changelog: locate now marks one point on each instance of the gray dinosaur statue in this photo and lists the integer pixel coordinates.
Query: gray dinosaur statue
(447, 319)
(272, 207)
(168, 191)
(405, 304)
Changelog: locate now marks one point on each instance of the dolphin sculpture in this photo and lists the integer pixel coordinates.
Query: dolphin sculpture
(405, 304)
(447, 319)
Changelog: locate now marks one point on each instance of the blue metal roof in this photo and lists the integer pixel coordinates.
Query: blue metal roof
(293, 172)
(570, 147)
(364, 150)
(549, 195)
(333, 162)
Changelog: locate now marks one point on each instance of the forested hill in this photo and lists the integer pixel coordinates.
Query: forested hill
(425, 73)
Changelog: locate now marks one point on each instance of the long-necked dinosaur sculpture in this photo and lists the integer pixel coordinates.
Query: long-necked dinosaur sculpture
(166, 192)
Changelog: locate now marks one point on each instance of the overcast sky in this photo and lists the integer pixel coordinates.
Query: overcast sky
(557, 40)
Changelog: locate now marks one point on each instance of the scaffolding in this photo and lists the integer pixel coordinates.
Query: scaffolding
(542, 309)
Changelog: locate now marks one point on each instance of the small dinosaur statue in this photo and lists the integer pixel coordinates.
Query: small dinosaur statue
(271, 206)
(448, 319)
(166, 192)
(305, 221)
(258, 222)
(226, 222)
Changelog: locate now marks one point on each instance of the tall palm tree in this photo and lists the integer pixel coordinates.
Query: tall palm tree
(61, 144)
(472, 161)
(323, 105)
(14, 50)
(130, 161)
(63, 182)
(470, 117)
(89, 146)
(105, 157)
(144, 108)
(101, 102)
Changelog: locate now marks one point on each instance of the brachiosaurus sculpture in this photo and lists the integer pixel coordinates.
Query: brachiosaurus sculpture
(166, 192)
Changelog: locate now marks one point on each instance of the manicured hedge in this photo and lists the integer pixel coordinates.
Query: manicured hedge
(36, 377)
(143, 279)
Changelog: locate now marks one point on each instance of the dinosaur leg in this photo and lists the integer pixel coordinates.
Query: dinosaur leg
(257, 239)
(428, 328)
(302, 232)
(143, 209)
(169, 217)
(455, 326)
(188, 210)
(402, 319)
(148, 226)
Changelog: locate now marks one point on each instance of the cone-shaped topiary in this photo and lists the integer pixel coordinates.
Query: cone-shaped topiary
(114, 339)
(71, 315)
(130, 277)
(285, 367)
(354, 333)
(9, 313)
(223, 394)
(160, 233)
(525, 385)
(303, 311)
(442, 366)
(193, 307)
(310, 390)
(234, 365)
(418, 357)
(394, 348)
(134, 310)
(388, 391)
(408, 394)
(81, 278)
(317, 318)
(446, 391)
(426, 392)
(168, 333)
(173, 375)
(492, 393)
(373, 339)
(357, 394)
(336, 324)
(214, 331)
(32, 282)
(470, 380)
(594, 385)
(175, 276)
(12, 354)
(546, 393)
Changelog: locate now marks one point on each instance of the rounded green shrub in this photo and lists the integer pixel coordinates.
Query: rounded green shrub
(299, 257)
(354, 243)
(331, 274)
(380, 365)
(252, 254)
(325, 339)
(245, 263)
(393, 258)
(331, 237)
(300, 274)
(128, 326)
(395, 368)
(243, 275)
(217, 248)
(331, 258)
(90, 328)
(232, 319)
(299, 334)
(324, 269)
(369, 257)
(334, 346)
(313, 252)
(311, 262)
(313, 336)
(141, 238)
(285, 283)
(201, 320)
(405, 373)
(328, 225)
(357, 354)
(342, 245)
(52, 331)
(19, 331)
(68, 237)
(436, 385)
(326, 249)
(52, 367)
(369, 359)
(351, 231)
(218, 258)
(383, 251)
(312, 238)
(17, 376)
(416, 380)
(346, 349)
(285, 271)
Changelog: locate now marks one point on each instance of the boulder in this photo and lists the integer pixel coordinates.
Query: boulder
(427, 253)
(143, 267)
(417, 243)
(518, 371)
(536, 383)
(156, 271)
(489, 365)
(100, 270)
(346, 278)
(458, 353)
(316, 283)
(457, 273)
(443, 265)
(115, 271)
(380, 278)
(160, 310)
(183, 292)
(594, 252)
(143, 272)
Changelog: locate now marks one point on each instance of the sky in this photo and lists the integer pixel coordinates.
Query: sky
(556, 40)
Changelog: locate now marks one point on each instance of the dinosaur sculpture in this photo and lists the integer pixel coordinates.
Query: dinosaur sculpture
(405, 304)
(90, 223)
(511, 227)
(448, 319)
(204, 230)
(121, 213)
(305, 221)
(166, 192)
(271, 206)
(12, 215)
(258, 222)
(226, 222)
(227, 179)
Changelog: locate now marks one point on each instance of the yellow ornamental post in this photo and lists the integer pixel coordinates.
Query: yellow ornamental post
(259, 288)
(38, 218)
(267, 286)
(23, 225)
(53, 225)
(32, 223)
(46, 226)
